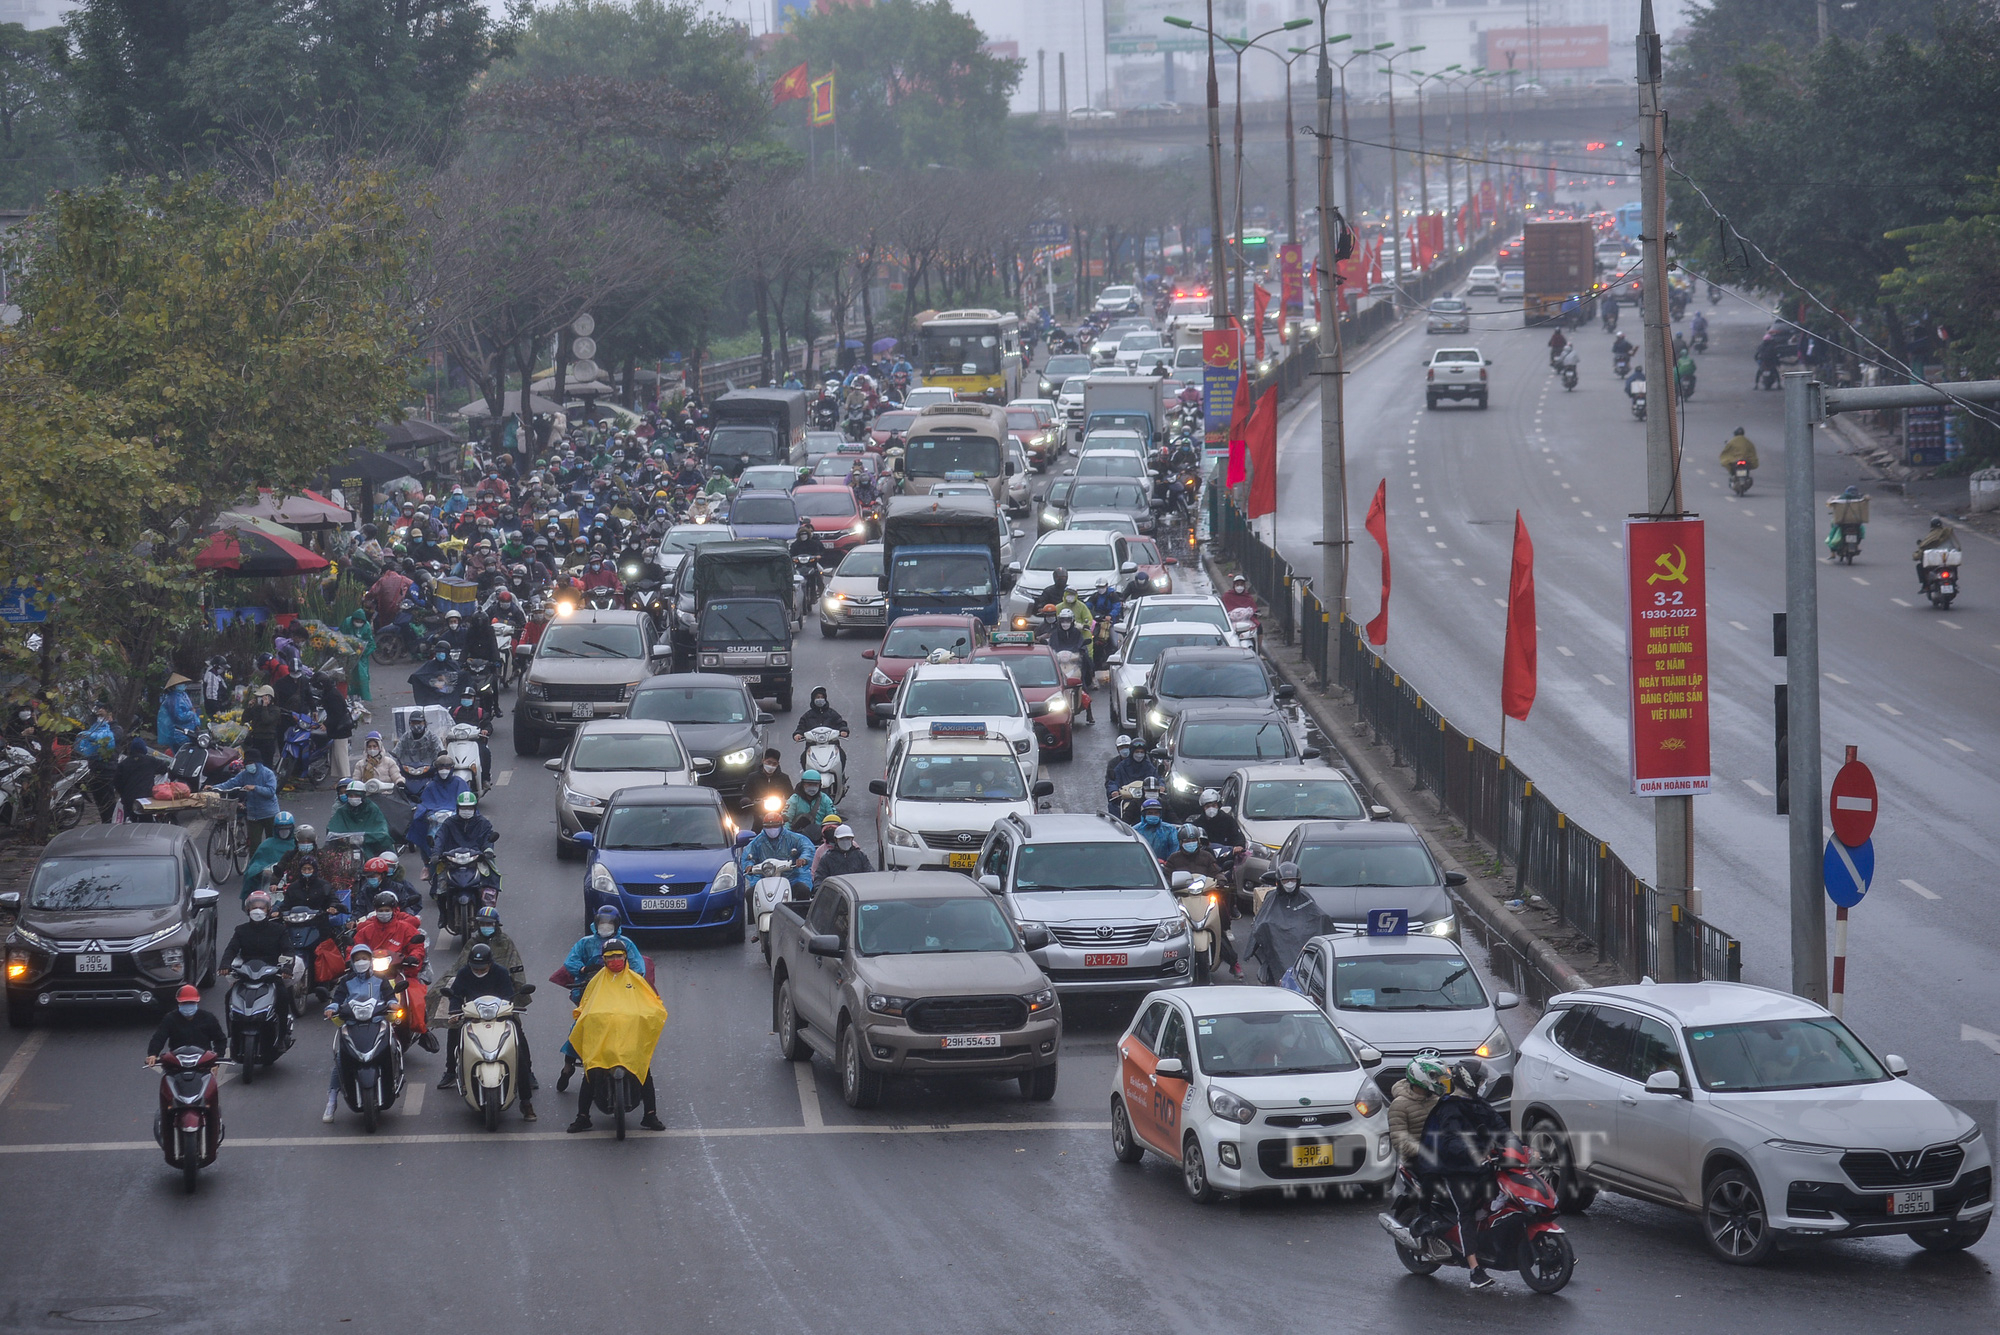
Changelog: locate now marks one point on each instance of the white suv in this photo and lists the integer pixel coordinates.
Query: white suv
(983, 694)
(1456, 373)
(947, 785)
(1482, 278)
(1754, 1110)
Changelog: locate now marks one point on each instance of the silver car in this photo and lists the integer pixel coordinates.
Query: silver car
(1133, 661)
(605, 755)
(853, 597)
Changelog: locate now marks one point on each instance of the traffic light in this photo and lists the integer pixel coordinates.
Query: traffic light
(1781, 698)
(1593, 147)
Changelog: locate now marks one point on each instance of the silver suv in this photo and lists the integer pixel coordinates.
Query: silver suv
(1094, 884)
(587, 665)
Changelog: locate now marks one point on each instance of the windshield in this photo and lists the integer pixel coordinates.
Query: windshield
(76, 884)
(1300, 799)
(1406, 983)
(602, 751)
(941, 573)
(1104, 524)
(1118, 865)
(753, 442)
(957, 699)
(1300, 1042)
(1241, 681)
(764, 510)
(1236, 741)
(768, 477)
(931, 927)
(1142, 551)
(1069, 364)
(895, 421)
(1027, 669)
(1138, 341)
(1023, 419)
(641, 826)
(1145, 648)
(1781, 1054)
(1189, 306)
(757, 622)
(1110, 463)
(936, 456)
(920, 641)
(573, 640)
(860, 565)
(1207, 613)
(1075, 385)
(1107, 496)
(1366, 865)
(692, 704)
(950, 352)
(990, 778)
(823, 504)
(833, 468)
(687, 539)
(1072, 556)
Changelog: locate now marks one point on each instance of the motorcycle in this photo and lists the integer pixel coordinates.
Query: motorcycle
(1684, 384)
(1201, 904)
(188, 1127)
(489, 1060)
(808, 582)
(772, 888)
(369, 1059)
(307, 752)
(503, 638)
(1518, 1230)
(303, 925)
(1739, 477)
(260, 1017)
(826, 413)
(197, 765)
(1714, 295)
(1636, 391)
(17, 768)
(615, 1091)
(1940, 574)
(823, 752)
(1569, 375)
(600, 597)
(465, 882)
(1243, 623)
(1699, 340)
(1621, 364)
(461, 743)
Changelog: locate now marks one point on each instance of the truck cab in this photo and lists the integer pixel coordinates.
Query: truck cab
(751, 639)
(943, 554)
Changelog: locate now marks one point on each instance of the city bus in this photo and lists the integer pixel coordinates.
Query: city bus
(974, 352)
(957, 442)
(1629, 224)
(1257, 251)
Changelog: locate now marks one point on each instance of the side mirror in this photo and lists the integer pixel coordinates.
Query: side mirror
(868, 654)
(1169, 1066)
(1015, 532)
(1286, 691)
(1310, 753)
(763, 718)
(1035, 938)
(1368, 1057)
(1129, 568)
(1505, 1001)
(702, 765)
(1454, 878)
(10, 900)
(553, 766)
(879, 787)
(743, 838)
(824, 943)
(1268, 878)
(1013, 568)
(587, 839)
(1897, 1066)
(1663, 1082)
(1171, 561)
(1044, 788)
(663, 651)
(887, 709)
(1010, 468)
(1379, 813)
(205, 897)
(990, 882)
(1181, 880)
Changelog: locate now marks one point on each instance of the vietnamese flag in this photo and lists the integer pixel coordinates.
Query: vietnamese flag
(1378, 528)
(1263, 300)
(792, 85)
(1260, 437)
(1517, 672)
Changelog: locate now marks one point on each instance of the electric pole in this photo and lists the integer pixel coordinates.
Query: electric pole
(1218, 298)
(1332, 429)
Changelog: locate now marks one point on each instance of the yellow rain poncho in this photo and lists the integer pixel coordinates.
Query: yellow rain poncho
(618, 1022)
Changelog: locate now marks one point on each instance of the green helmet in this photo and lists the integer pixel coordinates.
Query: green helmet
(1428, 1073)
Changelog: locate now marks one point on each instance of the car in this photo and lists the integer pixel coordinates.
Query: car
(1069, 402)
(1448, 315)
(767, 477)
(1189, 677)
(1756, 1111)
(894, 422)
(1187, 363)
(853, 596)
(1110, 458)
(949, 780)
(1188, 313)
(605, 755)
(1016, 485)
(1353, 868)
(820, 443)
(835, 469)
(1132, 344)
(664, 856)
(1092, 114)
(1053, 512)
(1201, 746)
(1132, 663)
(1093, 884)
(910, 640)
(715, 719)
(1154, 361)
(112, 915)
(750, 639)
(1086, 557)
(684, 538)
(1513, 284)
(858, 978)
(1405, 994)
(1455, 373)
(1118, 299)
(1042, 683)
(1062, 367)
(1510, 249)
(1482, 278)
(1145, 553)
(967, 692)
(1248, 1089)
(765, 514)
(1270, 801)
(1202, 607)
(587, 664)
(1102, 521)
(833, 512)
(1126, 498)
(1032, 425)
(1610, 81)
(918, 399)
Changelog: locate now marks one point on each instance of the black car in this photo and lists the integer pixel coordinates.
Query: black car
(1130, 498)
(1203, 746)
(751, 639)
(1352, 868)
(716, 718)
(113, 913)
(1060, 368)
(1202, 677)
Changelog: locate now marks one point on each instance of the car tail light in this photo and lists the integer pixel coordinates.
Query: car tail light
(1482, 373)
(1431, 375)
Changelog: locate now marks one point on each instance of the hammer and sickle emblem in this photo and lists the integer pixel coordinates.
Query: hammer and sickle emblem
(1670, 571)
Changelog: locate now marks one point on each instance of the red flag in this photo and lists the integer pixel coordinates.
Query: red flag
(1517, 673)
(1378, 528)
(793, 84)
(1260, 435)
(1263, 303)
(1239, 465)
(1239, 413)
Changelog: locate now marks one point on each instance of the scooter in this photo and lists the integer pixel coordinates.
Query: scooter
(461, 743)
(1714, 295)
(774, 887)
(489, 1056)
(1569, 375)
(188, 1127)
(466, 882)
(260, 1017)
(1637, 392)
(1849, 544)
(615, 1091)
(370, 1059)
(1940, 571)
(1518, 1231)
(1201, 904)
(199, 762)
(823, 753)
(1684, 384)
(1739, 477)
(808, 582)
(307, 752)
(1699, 340)
(503, 636)
(303, 926)
(1621, 364)
(600, 597)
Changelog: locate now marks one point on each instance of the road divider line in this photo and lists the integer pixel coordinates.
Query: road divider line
(1757, 788)
(1601, 677)
(1480, 582)
(1564, 651)
(1927, 894)
(1888, 708)
(1739, 625)
(1838, 680)
(1954, 743)
(808, 1094)
(412, 1102)
(1899, 602)
(500, 780)
(1949, 625)
(17, 1065)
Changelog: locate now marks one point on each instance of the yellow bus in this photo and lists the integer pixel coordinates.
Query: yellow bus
(975, 352)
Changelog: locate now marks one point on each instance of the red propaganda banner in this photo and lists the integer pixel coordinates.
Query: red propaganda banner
(1666, 653)
(1430, 231)
(1291, 272)
(1221, 364)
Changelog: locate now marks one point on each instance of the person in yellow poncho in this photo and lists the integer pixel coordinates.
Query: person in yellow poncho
(617, 1023)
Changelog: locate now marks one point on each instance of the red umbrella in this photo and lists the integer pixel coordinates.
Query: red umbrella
(247, 552)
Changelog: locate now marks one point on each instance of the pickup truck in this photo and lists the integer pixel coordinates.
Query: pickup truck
(1456, 373)
(912, 973)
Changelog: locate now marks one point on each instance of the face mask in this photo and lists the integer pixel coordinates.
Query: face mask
(812, 790)
(846, 845)
(616, 964)
(258, 915)
(354, 801)
(308, 845)
(188, 1008)
(443, 654)
(606, 929)
(1188, 847)
(372, 882)
(770, 767)
(1289, 887)
(819, 702)
(374, 748)
(416, 730)
(1124, 753)
(1211, 811)
(487, 931)
(383, 915)
(361, 968)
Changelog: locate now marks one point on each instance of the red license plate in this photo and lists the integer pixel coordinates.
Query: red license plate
(1112, 960)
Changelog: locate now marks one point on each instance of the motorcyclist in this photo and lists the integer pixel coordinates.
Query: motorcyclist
(775, 841)
(385, 872)
(586, 957)
(1191, 855)
(1130, 763)
(819, 714)
(808, 805)
(270, 851)
(807, 543)
(617, 955)
(1558, 341)
(1622, 347)
(1459, 1130)
(360, 983)
(417, 752)
(467, 829)
(484, 976)
(842, 857)
(440, 794)
(264, 937)
(1066, 637)
(376, 765)
(1698, 326)
(769, 781)
(1739, 446)
(187, 1025)
(486, 928)
(387, 928)
(1940, 536)
(454, 633)
(1153, 828)
(1239, 596)
(355, 812)
(470, 711)
(1221, 827)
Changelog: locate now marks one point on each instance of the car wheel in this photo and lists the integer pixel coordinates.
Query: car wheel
(785, 701)
(830, 632)
(1194, 1171)
(207, 978)
(739, 931)
(1551, 1145)
(1734, 1219)
(1125, 1146)
(785, 1019)
(859, 1086)
(1039, 1085)
(873, 722)
(526, 741)
(1955, 1238)
(1482, 403)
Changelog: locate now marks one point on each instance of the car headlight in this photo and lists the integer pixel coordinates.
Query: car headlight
(1445, 926)
(859, 530)
(1050, 516)
(781, 660)
(711, 660)
(1040, 1001)
(1171, 929)
(600, 880)
(877, 677)
(887, 1005)
(1803, 1147)
(1157, 719)
(631, 689)
(743, 757)
(576, 799)
(534, 690)
(1058, 704)
(1367, 1103)
(1159, 583)
(834, 600)
(18, 965)
(1496, 1045)
(902, 838)
(1181, 783)
(35, 939)
(725, 879)
(1231, 1107)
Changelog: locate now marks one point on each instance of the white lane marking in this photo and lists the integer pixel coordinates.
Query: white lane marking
(1555, 472)
(1838, 679)
(17, 1065)
(1564, 651)
(1601, 677)
(1588, 515)
(1750, 512)
(1619, 545)
(1565, 486)
(1770, 528)
(1420, 500)
(1949, 625)
(1888, 708)
(1413, 472)
(1501, 601)
(412, 1102)
(808, 1094)
(1423, 514)
(1440, 544)
(1899, 602)
(501, 779)
(1954, 743)
(1480, 582)
(1757, 788)
(1455, 561)
(1577, 499)
(1600, 527)
(1857, 579)
(1739, 625)
(1912, 885)
(1432, 528)
(1417, 485)
(1716, 485)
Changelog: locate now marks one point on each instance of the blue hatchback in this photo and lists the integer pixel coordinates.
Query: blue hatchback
(664, 857)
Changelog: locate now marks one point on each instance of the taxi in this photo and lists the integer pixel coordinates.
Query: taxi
(1249, 1089)
(1051, 694)
(948, 782)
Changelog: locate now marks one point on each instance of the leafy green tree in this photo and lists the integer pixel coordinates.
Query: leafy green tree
(39, 147)
(1953, 277)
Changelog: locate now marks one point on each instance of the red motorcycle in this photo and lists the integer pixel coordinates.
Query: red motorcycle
(189, 1125)
(1515, 1230)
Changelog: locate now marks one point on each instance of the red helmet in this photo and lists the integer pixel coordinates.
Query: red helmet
(187, 993)
(379, 865)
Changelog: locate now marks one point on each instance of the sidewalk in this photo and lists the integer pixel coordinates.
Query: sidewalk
(1880, 452)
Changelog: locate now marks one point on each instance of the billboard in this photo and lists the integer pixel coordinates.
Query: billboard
(1139, 28)
(1666, 651)
(1523, 49)
(1221, 362)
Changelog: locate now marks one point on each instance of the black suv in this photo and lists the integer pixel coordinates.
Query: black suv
(1193, 676)
(113, 913)
(716, 718)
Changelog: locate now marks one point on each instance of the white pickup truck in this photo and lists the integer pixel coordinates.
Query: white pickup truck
(1456, 373)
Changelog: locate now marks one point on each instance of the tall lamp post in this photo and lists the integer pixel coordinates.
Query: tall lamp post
(1346, 144)
(1418, 79)
(1291, 143)
(1395, 202)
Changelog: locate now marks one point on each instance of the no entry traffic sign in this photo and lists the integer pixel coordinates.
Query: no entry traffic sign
(1852, 803)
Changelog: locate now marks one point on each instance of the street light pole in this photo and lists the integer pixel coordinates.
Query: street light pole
(1332, 372)
(1395, 203)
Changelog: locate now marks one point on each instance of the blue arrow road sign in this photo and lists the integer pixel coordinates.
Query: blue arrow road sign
(1847, 871)
(19, 603)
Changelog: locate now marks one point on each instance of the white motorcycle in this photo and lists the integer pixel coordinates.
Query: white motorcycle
(1201, 904)
(503, 636)
(824, 754)
(461, 743)
(1243, 622)
(773, 887)
(489, 1057)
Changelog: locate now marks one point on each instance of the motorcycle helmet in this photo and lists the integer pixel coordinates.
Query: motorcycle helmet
(488, 916)
(283, 825)
(1124, 742)
(1151, 807)
(1288, 877)
(1066, 618)
(1210, 798)
(811, 776)
(479, 954)
(1190, 834)
(387, 902)
(258, 901)
(467, 802)
(380, 865)
(605, 921)
(363, 953)
(308, 837)
(1428, 1074)
(615, 956)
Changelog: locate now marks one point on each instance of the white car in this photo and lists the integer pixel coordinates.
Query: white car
(1102, 521)
(768, 477)
(1103, 459)
(1118, 299)
(1134, 343)
(1513, 284)
(1069, 402)
(853, 596)
(1456, 373)
(1754, 1110)
(1132, 662)
(925, 398)
(822, 443)
(1248, 1089)
(1482, 278)
(1402, 995)
(948, 782)
(1187, 316)
(964, 693)
(1017, 479)
(1270, 801)
(1203, 607)
(1086, 557)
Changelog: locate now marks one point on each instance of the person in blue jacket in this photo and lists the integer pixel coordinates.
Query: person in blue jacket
(179, 720)
(775, 841)
(259, 786)
(440, 793)
(1159, 835)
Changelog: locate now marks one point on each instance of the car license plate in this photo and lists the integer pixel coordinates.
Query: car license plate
(971, 1041)
(962, 861)
(1913, 1202)
(1111, 960)
(93, 964)
(657, 905)
(1312, 1156)
(754, 679)
(865, 613)
(580, 709)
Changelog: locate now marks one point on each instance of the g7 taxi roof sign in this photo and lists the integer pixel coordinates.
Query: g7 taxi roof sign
(949, 729)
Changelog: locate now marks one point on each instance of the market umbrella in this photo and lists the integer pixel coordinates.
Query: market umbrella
(268, 527)
(511, 405)
(414, 432)
(374, 467)
(251, 553)
(883, 345)
(308, 509)
(582, 389)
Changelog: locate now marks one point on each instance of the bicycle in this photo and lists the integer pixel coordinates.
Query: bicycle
(229, 844)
